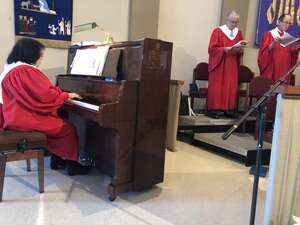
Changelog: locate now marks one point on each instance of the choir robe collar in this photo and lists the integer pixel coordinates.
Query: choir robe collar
(275, 33)
(7, 68)
(227, 32)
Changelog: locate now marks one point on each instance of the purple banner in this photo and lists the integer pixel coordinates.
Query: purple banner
(50, 21)
(270, 10)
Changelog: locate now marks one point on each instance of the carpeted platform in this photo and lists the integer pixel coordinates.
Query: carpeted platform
(202, 123)
(201, 119)
(237, 143)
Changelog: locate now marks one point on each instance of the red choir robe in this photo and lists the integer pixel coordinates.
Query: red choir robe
(223, 71)
(275, 62)
(30, 103)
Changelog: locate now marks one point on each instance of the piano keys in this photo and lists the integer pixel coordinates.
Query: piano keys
(83, 103)
(124, 128)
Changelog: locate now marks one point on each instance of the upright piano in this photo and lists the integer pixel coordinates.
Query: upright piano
(122, 121)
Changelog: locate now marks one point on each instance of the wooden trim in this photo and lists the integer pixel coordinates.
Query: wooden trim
(40, 164)
(16, 156)
(286, 90)
(179, 82)
(2, 173)
(28, 165)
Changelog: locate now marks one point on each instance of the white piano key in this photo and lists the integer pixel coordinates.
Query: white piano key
(85, 104)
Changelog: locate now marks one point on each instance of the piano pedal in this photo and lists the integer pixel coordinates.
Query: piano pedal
(85, 159)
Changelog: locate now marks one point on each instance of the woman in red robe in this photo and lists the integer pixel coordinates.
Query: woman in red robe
(275, 59)
(225, 52)
(29, 102)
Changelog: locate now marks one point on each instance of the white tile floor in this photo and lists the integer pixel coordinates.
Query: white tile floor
(200, 188)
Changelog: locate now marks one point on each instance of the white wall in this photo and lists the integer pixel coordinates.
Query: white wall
(250, 54)
(235, 5)
(112, 15)
(143, 19)
(188, 24)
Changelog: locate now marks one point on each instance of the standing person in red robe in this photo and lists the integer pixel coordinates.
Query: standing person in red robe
(29, 102)
(274, 59)
(225, 53)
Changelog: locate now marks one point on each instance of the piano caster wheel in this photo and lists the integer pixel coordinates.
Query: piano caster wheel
(112, 193)
(112, 198)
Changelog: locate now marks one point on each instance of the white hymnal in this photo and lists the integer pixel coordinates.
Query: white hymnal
(297, 220)
(288, 39)
(240, 44)
(89, 61)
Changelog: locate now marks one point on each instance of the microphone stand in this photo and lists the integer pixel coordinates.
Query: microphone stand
(261, 107)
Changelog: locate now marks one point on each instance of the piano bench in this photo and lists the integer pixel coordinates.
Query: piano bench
(15, 146)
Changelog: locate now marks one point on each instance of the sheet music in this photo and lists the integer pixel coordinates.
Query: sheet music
(89, 61)
(87, 43)
(288, 39)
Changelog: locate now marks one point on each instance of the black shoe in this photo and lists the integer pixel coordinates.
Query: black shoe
(85, 159)
(57, 162)
(75, 168)
(232, 114)
(214, 114)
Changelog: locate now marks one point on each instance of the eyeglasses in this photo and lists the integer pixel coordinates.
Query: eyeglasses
(286, 22)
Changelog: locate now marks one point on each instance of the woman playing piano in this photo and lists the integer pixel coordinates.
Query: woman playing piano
(29, 102)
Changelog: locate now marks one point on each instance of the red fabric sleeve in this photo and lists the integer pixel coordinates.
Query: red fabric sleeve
(31, 88)
(264, 55)
(294, 55)
(1, 118)
(215, 51)
(241, 55)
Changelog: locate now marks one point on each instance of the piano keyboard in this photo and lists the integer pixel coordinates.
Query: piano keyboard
(84, 104)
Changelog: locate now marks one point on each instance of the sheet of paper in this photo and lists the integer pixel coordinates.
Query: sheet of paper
(89, 61)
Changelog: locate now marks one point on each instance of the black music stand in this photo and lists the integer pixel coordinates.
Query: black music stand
(260, 106)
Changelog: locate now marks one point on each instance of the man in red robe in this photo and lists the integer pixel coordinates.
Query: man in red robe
(29, 102)
(274, 58)
(225, 52)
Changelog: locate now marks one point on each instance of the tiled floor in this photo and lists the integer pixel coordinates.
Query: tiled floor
(200, 188)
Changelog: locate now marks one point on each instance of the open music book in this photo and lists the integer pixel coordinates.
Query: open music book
(89, 61)
(288, 39)
(240, 44)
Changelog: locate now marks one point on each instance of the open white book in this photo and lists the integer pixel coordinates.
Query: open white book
(89, 61)
(240, 44)
(287, 39)
(87, 43)
(297, 220)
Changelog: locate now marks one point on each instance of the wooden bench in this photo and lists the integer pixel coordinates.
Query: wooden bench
(16, 145)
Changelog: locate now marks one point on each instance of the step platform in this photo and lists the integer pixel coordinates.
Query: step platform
(242, 145)
(202, 123)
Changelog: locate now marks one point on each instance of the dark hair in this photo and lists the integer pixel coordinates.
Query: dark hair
(281, 18)
(26, 50)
